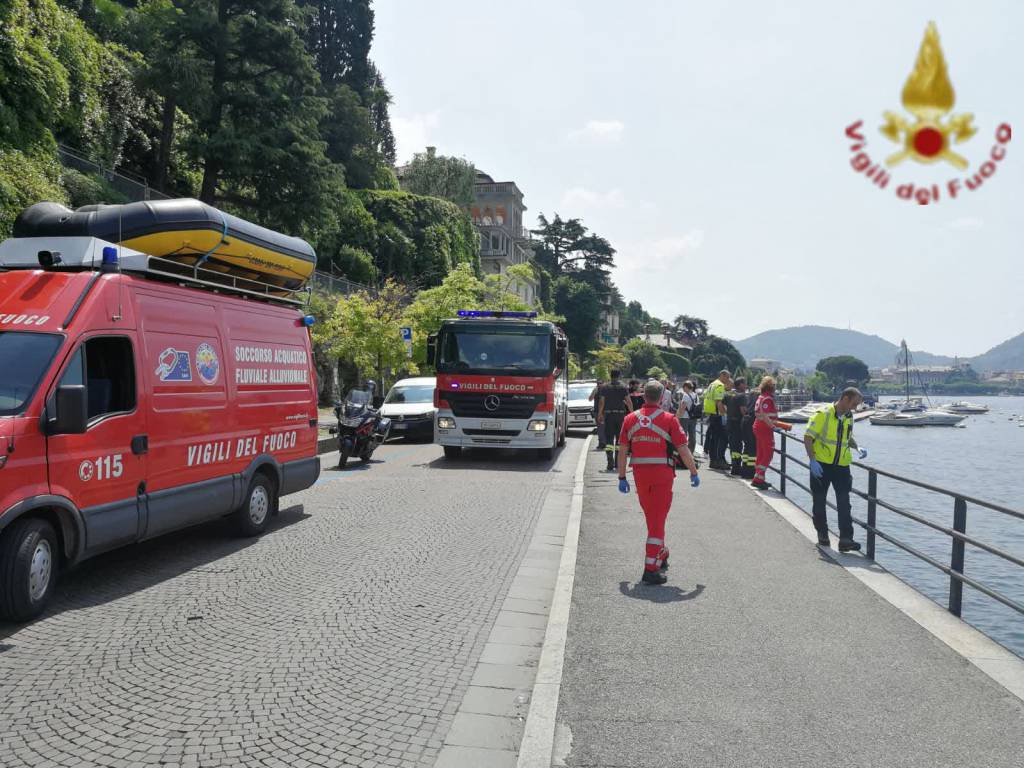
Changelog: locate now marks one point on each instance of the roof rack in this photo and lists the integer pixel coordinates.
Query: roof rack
(78, 253)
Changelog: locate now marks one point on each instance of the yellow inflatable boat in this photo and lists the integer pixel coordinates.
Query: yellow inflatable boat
(182, 230)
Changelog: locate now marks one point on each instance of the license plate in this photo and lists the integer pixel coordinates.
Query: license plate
(398, 425)
(490, 425)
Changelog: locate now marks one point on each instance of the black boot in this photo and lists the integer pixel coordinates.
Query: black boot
(653, 577)
(611, 460)
(664, 563)
(849, 545)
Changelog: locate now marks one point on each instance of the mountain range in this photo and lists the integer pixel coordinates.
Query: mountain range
(803, 346)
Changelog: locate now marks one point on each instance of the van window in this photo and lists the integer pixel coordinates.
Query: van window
(106, 366)
(24, 358)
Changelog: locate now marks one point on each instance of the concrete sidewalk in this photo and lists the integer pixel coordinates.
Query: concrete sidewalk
(760, 651)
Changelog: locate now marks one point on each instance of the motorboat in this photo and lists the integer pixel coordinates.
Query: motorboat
(803, 414)
(929, 418)
(892, 418)
(964, 407)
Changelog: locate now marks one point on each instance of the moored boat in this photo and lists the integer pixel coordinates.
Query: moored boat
(964, 407)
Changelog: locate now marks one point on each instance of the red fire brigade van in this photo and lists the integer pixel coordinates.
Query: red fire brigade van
(139, 397)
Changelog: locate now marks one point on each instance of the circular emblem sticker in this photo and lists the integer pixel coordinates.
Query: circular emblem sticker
(85, 471)
(207, 364)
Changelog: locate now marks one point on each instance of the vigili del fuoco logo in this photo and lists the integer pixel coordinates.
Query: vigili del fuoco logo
(931, 133)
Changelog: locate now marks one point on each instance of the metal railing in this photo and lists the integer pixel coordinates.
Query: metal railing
(957, 533)
(329, 283)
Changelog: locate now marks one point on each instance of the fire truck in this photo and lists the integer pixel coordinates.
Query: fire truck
(502, 380)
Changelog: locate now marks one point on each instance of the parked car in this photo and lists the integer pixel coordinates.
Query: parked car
(410, 406)
(582, 409)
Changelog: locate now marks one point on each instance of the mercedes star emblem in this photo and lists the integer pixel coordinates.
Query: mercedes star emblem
(492, 402)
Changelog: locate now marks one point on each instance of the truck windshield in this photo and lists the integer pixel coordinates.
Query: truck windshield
(24, 358)
(527, 354)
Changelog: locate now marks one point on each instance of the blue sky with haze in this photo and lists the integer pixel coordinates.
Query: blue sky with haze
(706, 142)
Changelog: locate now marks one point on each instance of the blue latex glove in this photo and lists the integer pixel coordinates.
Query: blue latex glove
(623, 485)
(863, 453)
(694, 481)
(816, 469)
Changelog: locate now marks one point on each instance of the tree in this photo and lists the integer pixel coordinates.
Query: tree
(450, 178)
(656, 373)
(607, 359)
(366, 330)
(567, 248)
(714, 353)
(818, 384)
(642, 356)
(693, 327)
(842, 369)
(257, 110)
(581, 307)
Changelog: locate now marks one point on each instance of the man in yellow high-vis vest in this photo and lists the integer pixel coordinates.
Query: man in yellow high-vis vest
(714, 411)
(828, 440)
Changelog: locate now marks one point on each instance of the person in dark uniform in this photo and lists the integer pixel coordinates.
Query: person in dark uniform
(613, 405)
(749, 440)
(735, 410)
(636, 395)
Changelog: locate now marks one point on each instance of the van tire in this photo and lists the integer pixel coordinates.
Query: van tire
(563, 433)
(259, 505)
(29, 560)
(452, 451)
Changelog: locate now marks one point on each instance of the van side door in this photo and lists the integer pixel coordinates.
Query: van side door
(103, 471)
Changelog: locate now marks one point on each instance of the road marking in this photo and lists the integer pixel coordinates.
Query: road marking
(537, 745)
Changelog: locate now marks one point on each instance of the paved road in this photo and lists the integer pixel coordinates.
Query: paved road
(758, 652)
(346, 635)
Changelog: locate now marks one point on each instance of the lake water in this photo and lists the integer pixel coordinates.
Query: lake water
(984, 459)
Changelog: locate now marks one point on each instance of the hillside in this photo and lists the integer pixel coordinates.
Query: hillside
(804, 346)
(1008, 356)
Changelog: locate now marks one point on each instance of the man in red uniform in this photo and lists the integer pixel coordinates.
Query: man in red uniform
(766, 417)
(650, 435)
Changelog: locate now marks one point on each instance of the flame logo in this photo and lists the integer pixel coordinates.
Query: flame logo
(928, 95)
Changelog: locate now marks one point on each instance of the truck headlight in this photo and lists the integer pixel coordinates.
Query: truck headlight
(537, 425)
(443, 422)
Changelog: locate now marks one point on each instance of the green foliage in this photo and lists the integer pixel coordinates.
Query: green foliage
(86, 189)
(632, 319)
(574, 366)
(656, 373)
(581, 307)
(642, 356)
(450, 178)
(568, 248)
(841, 369)
(607, 359)
(416, 238)
(677, 364)
(715, 353)
(818, 383)
(365, 330)
(692, 327)
(25, 180)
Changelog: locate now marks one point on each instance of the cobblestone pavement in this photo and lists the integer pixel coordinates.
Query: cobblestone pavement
(344, 636)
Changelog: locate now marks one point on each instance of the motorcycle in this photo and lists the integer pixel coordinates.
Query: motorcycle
(361, 428)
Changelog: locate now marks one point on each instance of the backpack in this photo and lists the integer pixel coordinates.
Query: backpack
(696, 409)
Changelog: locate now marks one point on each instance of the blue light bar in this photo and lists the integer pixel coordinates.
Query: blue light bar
(494, 313)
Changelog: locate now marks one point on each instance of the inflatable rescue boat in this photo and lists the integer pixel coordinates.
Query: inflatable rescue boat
(183, 230)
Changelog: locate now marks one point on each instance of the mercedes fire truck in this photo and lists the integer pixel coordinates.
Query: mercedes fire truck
(502, 380)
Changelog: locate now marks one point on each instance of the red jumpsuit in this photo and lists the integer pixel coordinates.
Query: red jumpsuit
(763, 435)
(647, 432)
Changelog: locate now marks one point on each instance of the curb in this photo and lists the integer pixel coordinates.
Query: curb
(535, 750)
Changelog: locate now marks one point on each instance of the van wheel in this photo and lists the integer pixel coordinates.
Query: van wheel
(28, 568)
(452, 451)
(252, 517)
(562, 435)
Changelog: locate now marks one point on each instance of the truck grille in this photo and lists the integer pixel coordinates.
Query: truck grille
(509, 406)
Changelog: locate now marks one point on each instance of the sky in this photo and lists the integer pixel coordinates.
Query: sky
(708, 142)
